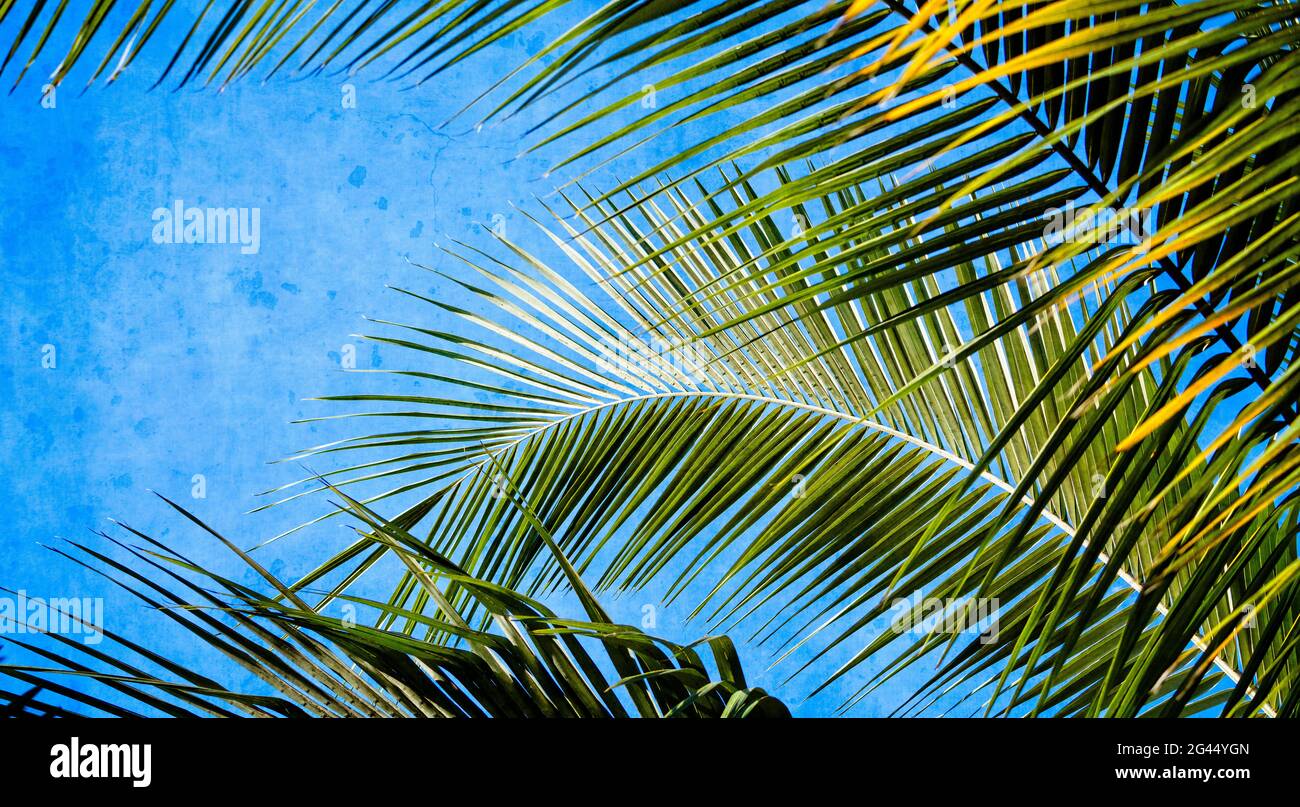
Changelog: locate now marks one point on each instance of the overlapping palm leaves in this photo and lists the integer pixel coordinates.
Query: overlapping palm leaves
(997, 479)
(957, 389)
(534, 664)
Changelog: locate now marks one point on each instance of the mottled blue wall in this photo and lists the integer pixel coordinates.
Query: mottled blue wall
(176, 360)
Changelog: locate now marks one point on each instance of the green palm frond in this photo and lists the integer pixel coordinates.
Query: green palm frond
(963, 446)
(1173, 108)
(1198, 129)
(534, 665)
(225, 42)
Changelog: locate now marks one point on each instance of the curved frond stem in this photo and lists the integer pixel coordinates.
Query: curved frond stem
(1069, 531)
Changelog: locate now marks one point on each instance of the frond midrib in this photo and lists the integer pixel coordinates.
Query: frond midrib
(1068, 530)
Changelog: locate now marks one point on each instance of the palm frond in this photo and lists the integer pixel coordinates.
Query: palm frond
(957, 443)
(534, 664)
(226, 42)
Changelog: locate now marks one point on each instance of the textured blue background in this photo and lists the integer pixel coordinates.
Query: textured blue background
(177, 360)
